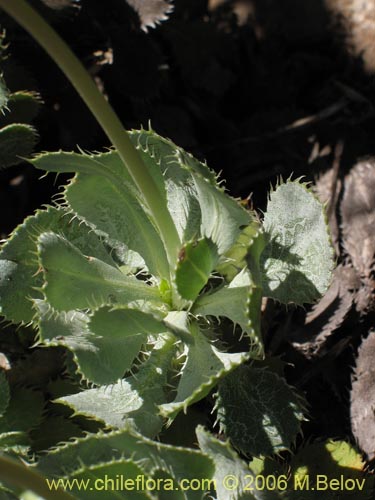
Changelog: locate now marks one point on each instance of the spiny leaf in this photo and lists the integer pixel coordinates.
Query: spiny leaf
(151, 12)
(16, 142)
(19, 267)
(178, 463)
(133, 400)
(105, 345)
(258, 411)
(23, 108)
(198, 205)
(203, 368)
(229, 465)
(196, 261)
(298, 260)
(4, 393)
(235, 257)
(123, 473)
(76, 281)
(239, 301)
(104, 195)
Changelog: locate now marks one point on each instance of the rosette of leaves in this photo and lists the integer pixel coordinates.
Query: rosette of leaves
(92, 274)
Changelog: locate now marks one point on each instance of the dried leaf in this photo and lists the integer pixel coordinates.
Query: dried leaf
(362, 397)
(358, 223)
(358, 216)
(151, 12)
(328, 314)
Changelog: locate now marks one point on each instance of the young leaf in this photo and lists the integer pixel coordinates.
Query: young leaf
(196, 261)
(20, 275)
(258, 411)
(239, 301)
(134, 399)
(297, 262)
(16, 142)
(76, 281)
(235, 258)
(105, 345)
(203, 368)
(198, 205)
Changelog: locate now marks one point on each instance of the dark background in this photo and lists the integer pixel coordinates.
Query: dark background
(224, 83)
(259, 88)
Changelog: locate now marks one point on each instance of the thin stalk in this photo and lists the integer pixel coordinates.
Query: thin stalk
(73, 69)
(16, 474)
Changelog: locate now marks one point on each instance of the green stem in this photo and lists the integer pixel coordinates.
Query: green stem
(59, 51)
(16, 474)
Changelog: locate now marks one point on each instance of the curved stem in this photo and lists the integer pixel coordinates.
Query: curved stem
(15, 474)
(59, 51)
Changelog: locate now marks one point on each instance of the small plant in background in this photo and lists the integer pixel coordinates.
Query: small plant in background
(17, 136)
(135, 274)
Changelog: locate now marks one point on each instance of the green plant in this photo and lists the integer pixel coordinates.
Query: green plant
(135, 272)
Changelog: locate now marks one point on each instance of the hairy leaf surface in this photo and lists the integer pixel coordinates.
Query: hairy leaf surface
(134, 399)
(258, 411)
(20, 275)
(298, 260)
(179, 463)
(103, 194)
(76, 281)
(105, 344)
